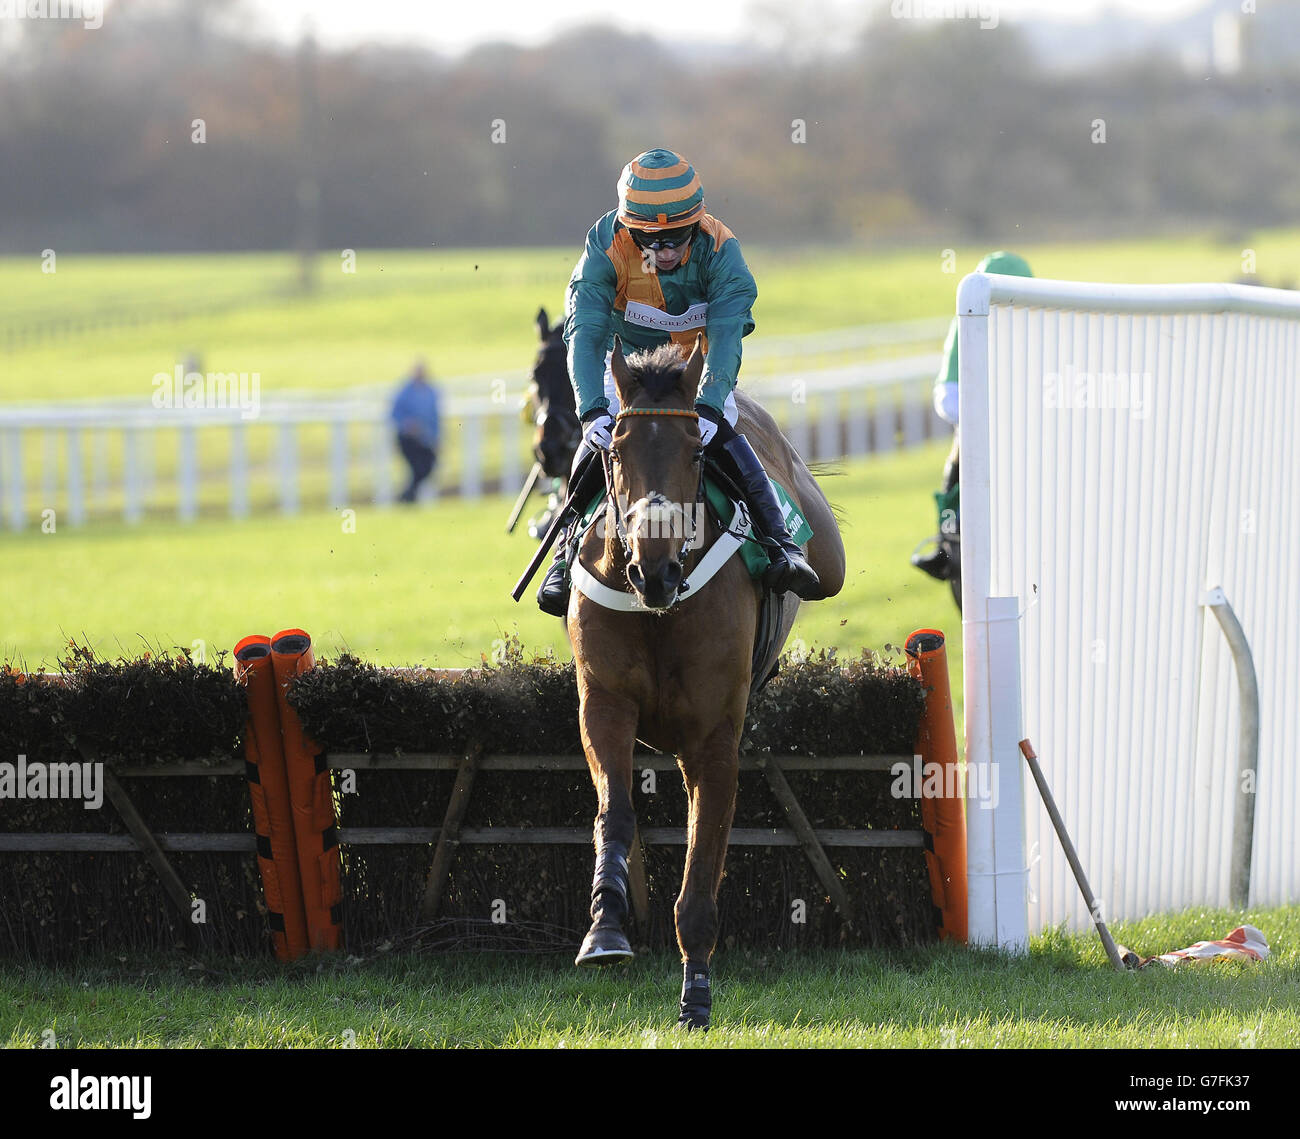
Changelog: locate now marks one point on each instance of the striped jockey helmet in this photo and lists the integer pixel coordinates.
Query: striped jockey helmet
(659, 190)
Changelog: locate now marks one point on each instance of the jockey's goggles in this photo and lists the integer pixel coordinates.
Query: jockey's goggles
(664, 238)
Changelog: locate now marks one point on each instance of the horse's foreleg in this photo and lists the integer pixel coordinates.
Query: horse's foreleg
(710, 775)
(608, 726)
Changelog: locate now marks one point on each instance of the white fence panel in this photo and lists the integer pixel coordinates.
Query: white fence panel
(1130, 447)
(828, 413)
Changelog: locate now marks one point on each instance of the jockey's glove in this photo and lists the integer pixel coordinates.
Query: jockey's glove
(710, 418)
(598, 429)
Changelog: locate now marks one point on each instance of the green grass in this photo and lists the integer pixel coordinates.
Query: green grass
(429, 585)
(471, 311)
(1062, 994)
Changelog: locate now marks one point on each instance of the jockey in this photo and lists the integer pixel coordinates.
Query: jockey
(941, 562)
(656, 269)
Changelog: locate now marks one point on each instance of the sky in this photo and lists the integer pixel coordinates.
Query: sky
(452, 26)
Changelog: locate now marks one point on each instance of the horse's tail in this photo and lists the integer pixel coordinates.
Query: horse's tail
(824, 470)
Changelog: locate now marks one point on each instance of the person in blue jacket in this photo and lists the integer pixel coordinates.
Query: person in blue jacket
(416, 416)
(659, 268)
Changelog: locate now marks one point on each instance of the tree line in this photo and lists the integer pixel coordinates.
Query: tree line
(164, 130)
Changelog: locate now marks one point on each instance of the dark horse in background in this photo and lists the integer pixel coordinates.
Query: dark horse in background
(557, 431)
(676, 672)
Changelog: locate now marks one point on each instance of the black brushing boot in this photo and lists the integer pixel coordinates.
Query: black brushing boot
(789, 570)
(697, 997)
(606, 943)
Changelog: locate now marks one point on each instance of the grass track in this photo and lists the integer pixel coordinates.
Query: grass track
(1061, 995)
(428, 585)
(431, 586)
(471, 311)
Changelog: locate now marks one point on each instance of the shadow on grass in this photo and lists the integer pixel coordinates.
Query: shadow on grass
(1063, 992)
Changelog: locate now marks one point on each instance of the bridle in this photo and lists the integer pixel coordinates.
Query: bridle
(608, 458)
(732, 535)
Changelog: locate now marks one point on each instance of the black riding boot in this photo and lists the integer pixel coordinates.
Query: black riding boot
(789, 569)
(944, 562)
(937, 563)
(553, 596)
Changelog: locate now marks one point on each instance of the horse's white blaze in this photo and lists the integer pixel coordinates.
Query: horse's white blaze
(655, 516)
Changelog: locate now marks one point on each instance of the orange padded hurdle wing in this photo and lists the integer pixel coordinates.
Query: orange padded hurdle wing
(943, 817)
(268, 787)
(311, 792)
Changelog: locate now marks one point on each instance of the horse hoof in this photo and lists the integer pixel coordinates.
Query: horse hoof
(692, 1021)
(604, 947)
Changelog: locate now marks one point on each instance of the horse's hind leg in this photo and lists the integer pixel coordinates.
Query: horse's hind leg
(608, 726)
(710, 775)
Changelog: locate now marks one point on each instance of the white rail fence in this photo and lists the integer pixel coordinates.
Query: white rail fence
(1128, 463)
(128, 459)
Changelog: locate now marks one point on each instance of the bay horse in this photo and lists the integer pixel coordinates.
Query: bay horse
(676, 672)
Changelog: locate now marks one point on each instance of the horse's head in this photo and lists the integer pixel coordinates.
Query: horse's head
(657, 462)
(551, 395)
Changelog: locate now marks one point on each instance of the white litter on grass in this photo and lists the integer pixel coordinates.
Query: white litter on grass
(1245, 943)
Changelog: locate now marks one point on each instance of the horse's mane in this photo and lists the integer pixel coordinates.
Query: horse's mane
(657, 370)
